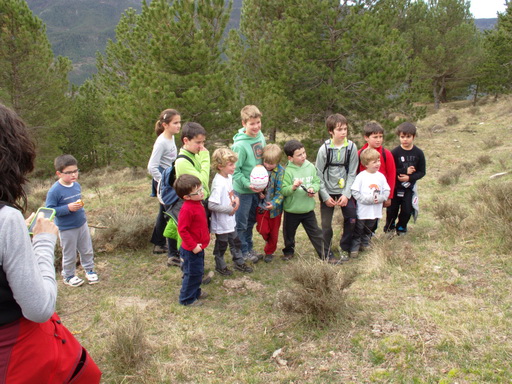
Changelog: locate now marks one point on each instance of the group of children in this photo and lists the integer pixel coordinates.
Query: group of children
(359, 182)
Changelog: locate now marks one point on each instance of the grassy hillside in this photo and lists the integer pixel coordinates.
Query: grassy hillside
(429, 307)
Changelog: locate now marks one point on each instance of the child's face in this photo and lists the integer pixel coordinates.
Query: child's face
(173, 127)
(195, 144)
(269, 166)
(374, 140)
(406, 140)
(252, 126)
(339, 133)
(373, 166)
(68, 175)
(228, 169)
(197, 194)
(299, 157)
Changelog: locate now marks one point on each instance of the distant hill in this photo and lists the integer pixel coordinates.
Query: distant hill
(484, 24)
(78, 29)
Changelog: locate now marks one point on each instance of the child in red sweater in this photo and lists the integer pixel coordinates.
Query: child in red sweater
(195, 236)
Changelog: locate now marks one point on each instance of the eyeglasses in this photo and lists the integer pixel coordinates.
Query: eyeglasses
(71, 172)
(200, 191)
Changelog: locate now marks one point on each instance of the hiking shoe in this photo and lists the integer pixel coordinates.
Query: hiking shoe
(344, 256)
(158, 249)
(173, 261)
(224, 272)
(203, 295)
(196, 303)
(362, 248)
(333, 260)
(268, 258)
(207, 279)
(92, 277)
(287, 257)
(243, 268)
(251, 256)
(73, 281)
(354, 254)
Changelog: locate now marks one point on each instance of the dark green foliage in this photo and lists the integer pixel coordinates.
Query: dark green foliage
(495, 69)
(169, 56)
(300, 61)
(32, 81)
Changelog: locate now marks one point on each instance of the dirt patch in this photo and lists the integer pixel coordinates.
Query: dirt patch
(243, 284)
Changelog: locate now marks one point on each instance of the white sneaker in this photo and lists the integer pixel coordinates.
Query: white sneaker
(92, 277)
(73, 281)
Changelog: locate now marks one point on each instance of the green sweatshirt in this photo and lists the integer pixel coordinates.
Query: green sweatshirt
(200, 169)
(250, 154)
(298, 201)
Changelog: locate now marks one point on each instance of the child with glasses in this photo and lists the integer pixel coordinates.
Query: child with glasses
(65, 196)
(195, 236)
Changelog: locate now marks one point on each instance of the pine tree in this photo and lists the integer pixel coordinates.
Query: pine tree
(169, 56)
(445, 44)
(316, 58)
(32, 81)
(496, 70)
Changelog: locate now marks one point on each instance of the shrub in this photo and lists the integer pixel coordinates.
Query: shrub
(124, 227)
(451, 214)
(450, 177)
(318, 290)
(497, 210)
(129, 347)
(491, 142)
(483, 160)
(452, 120)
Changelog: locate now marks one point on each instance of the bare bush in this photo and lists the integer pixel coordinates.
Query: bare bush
(129, 347)
(123, 228)
(497, 209)
(318, 290)
(452, 120)
(450, 177)
(483, 160)
(491, 142)
(452, 214)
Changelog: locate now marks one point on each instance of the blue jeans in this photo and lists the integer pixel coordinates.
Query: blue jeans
(246, 219)
(193, 270)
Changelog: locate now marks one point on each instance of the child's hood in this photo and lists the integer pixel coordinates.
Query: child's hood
(298, 168)
(242, 136)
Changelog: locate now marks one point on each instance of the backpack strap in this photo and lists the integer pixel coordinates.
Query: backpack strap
(329, 155)
(181, 156)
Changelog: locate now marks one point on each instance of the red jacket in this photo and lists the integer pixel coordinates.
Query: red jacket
(387, 167)
(192, 225)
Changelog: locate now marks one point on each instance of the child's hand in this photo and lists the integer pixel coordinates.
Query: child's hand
(197, 249)
(342, 201)
(73, 207)
(310, 191)
(411, 170)
(387, 203)
(296, 184)
(330, 202)
(269, 206)
(261, 195)
(256, 190)
(236, 203)
(403, 178)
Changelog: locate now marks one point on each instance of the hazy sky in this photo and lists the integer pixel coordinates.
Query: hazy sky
(486, 9)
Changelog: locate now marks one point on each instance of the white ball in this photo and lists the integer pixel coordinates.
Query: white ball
(259, 177)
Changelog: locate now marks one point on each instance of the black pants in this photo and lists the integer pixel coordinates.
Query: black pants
(349, 223)
(308, 220)
(362, 234)
(401, 208)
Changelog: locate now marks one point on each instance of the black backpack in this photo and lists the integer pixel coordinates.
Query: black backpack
(330, 158)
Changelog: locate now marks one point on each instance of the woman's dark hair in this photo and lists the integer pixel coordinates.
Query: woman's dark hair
(17, 155)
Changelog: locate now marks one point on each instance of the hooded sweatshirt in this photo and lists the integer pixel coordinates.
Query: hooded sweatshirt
(298, 201)
(250, 154)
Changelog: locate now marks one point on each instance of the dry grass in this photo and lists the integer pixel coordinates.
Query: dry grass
(429, 307)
